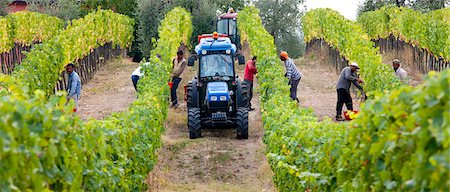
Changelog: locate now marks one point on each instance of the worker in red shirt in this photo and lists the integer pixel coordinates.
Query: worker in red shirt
(249, 72)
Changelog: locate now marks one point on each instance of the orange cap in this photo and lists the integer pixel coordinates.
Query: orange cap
(215, 35)
(284, 54)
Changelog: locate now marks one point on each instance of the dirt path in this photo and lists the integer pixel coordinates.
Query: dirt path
(111, 90)
(216, 162)
(317, 88)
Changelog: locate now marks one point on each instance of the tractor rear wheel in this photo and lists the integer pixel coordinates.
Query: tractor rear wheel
(194, 123)
(242, 123)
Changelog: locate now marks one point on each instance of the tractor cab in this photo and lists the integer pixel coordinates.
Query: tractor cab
(216, 97)
(227, 25)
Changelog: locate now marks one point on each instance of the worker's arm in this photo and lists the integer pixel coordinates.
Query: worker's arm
(253, 68)
(349, 76)
(178, 72)
(357, 85)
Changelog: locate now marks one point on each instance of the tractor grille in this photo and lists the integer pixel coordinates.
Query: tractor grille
(219, 116)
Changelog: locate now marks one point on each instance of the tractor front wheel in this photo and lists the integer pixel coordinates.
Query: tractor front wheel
(242, 123)
(194, 123)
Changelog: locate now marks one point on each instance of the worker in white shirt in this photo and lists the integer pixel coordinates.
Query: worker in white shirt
(136, 75)
(399, 72)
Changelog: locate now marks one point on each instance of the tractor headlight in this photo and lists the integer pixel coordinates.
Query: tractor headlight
(223, 98)
(213, 98)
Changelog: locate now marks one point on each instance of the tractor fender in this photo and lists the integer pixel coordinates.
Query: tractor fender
(192, 94)
(241, 94)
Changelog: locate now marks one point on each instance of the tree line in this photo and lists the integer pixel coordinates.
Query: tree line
(281, 18)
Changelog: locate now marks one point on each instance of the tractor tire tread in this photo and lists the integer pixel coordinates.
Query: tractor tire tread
(242, 123)
(194, 123)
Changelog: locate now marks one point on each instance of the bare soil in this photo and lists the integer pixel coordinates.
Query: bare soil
(317, 88)
(111, 90)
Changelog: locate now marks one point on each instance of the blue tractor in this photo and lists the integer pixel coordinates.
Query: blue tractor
(216, 97)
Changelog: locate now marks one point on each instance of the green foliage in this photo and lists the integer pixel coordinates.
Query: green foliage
(429, 5)
(126, 7)
(237, 5)
(352, 43)
(6, 34)
(430, 31)
(175, 28)
(149, 20)
(45, 146)
(26, 28)
(43, 65)
(64, 9)
(408, 125)
(401, 140)
(294, 139)
(282, 20)
(203, 13)
(419, 5)
(3, 7)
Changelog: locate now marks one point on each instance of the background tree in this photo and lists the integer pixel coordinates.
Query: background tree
(224, 5)
(126, 7)
(204, 13)
(419, 5)
(3, 7)
(64, 9)
(150, 13)
(429, 5)
(281, 18)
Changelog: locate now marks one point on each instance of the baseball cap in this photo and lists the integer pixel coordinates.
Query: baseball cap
(354, 64)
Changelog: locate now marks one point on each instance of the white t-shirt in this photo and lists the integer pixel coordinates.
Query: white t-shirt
(401, 74)
(138, 71)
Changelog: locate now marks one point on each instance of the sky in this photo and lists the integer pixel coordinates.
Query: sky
(348, 8)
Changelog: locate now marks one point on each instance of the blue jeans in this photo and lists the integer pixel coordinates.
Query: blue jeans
(135, 80)
(173, 92)
(293, 90)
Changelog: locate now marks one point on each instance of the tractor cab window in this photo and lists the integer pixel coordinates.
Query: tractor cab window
(216, 65)
(233, 27)
(222, 26)
(227, 26)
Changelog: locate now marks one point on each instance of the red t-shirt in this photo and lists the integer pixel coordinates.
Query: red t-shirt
(250, 70)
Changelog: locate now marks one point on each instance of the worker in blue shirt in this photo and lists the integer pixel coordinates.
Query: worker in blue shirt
(74, 85)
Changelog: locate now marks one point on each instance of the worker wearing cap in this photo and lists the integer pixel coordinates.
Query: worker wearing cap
(292, 73)
(347, 77)
(399, 72)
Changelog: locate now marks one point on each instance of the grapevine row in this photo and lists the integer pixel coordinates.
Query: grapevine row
(386, 148)
(430, 31)
(43, 65)
(26, 28)
(19, 31)
(45, 146)
(353, 44)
